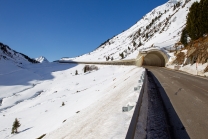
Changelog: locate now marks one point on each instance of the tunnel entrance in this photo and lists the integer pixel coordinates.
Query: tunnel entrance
(154, 58)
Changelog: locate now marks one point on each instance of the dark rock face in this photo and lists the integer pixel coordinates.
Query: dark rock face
(7, 53)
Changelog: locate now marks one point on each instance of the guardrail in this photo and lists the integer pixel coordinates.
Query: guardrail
(132, 127)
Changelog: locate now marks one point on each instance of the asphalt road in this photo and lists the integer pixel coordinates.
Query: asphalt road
(188, 95)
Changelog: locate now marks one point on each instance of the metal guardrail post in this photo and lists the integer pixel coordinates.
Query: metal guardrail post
(132, 127)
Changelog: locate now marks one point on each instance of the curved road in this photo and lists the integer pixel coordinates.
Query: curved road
(188, 95)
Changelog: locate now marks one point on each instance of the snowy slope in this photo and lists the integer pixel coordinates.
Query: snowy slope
(159, 28)
(13, 62)
(42, 59)
(36, 93)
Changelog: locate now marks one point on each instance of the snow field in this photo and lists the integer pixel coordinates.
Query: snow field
(93, 101)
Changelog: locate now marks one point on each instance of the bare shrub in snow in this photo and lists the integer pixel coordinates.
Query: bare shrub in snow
(90, 68)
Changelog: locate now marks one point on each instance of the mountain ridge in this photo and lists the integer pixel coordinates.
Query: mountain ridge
(160, 27)
(6, 53)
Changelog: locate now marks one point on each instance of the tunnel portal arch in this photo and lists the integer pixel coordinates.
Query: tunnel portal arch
(155, 58)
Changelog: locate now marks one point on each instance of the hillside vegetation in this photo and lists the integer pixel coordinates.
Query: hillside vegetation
(194, 35)
(196, 24)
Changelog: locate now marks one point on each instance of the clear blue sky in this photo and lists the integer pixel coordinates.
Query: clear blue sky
(66, 28)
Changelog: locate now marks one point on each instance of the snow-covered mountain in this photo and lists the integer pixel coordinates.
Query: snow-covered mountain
(9, 55)
(42, 59)
(161, 27)
(34, 93)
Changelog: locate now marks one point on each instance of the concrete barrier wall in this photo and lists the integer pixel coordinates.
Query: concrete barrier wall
(120, 62)
(132, 127)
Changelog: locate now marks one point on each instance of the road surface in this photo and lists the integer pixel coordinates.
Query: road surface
(188, 95)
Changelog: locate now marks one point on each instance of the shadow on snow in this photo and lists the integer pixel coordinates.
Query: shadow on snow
(33, 72)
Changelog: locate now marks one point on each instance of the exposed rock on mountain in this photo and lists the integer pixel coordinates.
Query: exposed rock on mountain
(6, 53)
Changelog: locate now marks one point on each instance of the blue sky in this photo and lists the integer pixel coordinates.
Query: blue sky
(66, 28)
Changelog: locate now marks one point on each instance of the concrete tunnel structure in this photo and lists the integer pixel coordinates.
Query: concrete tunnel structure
(152, 57)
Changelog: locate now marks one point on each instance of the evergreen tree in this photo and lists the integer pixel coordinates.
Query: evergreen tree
(107, 58)
(140, 44)
(139, 32)
(134, 43)
(121, 55)
(63, 103)
(76, 72)
(197, 25)
(184, 37)
(193, 26)
(147, 35)
(203, 16)
(174, 7)
(15, 126)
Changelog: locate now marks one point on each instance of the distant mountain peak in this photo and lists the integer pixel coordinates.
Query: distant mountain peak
(42, 59)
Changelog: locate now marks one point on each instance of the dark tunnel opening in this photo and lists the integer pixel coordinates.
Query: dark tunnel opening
(154, 59)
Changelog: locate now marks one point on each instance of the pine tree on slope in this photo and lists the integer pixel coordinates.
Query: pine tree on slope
(15, 126)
